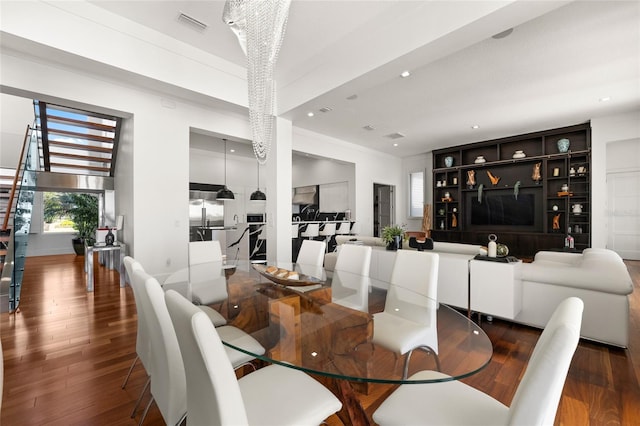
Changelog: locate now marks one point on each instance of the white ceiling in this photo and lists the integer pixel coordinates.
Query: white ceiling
(552, 71)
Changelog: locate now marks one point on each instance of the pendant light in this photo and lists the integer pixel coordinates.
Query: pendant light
(225, 193)
(258, 195)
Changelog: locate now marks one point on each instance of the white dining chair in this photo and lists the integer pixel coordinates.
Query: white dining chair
(534, 403)
(207, 280)
(408, 320)
(272, 395)
(354, 258)
(142, 338)
(350, 290)
(168, 384)
(204, 252)
(311, 253)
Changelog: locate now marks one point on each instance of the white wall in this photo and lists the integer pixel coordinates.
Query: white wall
(606, 130)
(16, 114)
(308, 171)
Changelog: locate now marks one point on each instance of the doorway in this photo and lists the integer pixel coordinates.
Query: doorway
(624, 214)
(384, 211)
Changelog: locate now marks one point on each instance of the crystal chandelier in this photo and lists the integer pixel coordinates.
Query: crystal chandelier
(259, 26)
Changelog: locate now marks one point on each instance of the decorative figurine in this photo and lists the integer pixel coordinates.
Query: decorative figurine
(471, 178)
(454, 220)
(494, 179)
(536, 176)
(556, 221)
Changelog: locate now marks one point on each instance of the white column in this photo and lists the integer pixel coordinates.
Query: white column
(279, 194)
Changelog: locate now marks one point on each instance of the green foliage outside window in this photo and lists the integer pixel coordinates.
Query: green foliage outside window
(72, 210)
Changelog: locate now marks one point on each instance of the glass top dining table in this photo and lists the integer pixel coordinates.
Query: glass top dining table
(322, 325)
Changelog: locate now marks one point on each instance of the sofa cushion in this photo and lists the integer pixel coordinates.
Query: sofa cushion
(595, 271)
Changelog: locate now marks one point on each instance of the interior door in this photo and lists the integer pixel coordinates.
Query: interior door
(383, 207)
(624, 214)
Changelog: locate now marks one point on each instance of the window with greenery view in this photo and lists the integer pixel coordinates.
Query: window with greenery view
(70, 212)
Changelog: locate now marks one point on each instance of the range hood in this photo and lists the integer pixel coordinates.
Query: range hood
(305, 195)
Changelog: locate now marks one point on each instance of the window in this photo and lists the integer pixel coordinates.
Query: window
(65, 212)
(416, 194)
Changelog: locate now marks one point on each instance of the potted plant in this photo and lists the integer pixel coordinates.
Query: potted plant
(393, 235)
(83, 211)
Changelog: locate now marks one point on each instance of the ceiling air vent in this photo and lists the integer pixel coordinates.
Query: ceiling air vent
(183, 17)
(368, 127)
(325, 109)
(396, 135)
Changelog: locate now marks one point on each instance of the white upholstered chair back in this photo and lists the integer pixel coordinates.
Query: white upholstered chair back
(538, 394)
(416, 271)
(213, 393)
(204, 252)
(168, 383)
(311, 253)
(354, 258)
(143, 348)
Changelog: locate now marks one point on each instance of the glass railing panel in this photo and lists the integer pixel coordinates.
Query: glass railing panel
(22, 217)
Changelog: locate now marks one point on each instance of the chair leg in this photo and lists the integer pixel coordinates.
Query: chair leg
(428, 349)
(135, 408)
(126, 379)
(146, 410)
(182, 420)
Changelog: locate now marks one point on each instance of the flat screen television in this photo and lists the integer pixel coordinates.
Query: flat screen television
(500, 210)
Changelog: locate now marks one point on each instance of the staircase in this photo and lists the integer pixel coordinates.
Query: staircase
(76, 141)
(65, 141)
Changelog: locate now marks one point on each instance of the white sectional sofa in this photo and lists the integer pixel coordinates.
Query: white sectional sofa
(597, 276)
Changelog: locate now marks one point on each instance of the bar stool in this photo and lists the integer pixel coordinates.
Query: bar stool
(344, 228)
(311, 232)
(328, 231)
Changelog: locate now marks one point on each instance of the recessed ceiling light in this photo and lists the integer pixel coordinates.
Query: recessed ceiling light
(605, 99)
(232, 150)
(395, 144)
(310, 114)
(405, 74)
(475, 126)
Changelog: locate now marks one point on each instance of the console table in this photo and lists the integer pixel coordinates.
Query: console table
(119, 249)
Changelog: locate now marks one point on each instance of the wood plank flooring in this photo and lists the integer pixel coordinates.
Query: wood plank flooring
(67, 351)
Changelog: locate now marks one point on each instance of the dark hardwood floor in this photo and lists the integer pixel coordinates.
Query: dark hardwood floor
(67, 351)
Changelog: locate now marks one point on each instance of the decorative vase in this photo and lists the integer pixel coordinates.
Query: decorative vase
(519, 154)
(396, 243)
(109, 239)
(563, 145)
(448, 161)
(480, 159)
